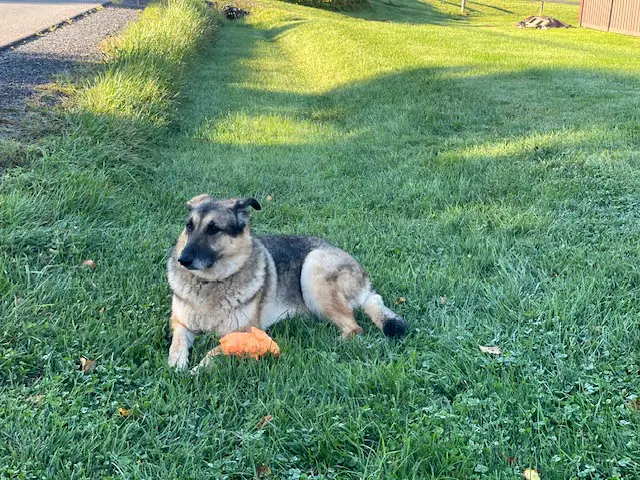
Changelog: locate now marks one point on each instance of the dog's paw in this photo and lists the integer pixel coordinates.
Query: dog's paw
(395, 327)
(206, 361)
(178, 359)
(201, 366)
(352, 333)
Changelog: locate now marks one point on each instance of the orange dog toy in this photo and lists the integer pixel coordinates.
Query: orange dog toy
(255, 343)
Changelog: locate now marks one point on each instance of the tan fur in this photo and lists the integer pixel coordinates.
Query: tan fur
(331, 282)
(242, 288)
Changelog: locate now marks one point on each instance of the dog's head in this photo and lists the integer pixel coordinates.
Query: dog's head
(216, 241)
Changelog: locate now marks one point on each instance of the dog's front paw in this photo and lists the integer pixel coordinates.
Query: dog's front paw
(178, 358)
(205, 363)
(352, 332)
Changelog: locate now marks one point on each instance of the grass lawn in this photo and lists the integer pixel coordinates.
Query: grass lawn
(488, 175)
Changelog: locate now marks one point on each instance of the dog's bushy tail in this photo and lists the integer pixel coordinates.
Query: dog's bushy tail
(391, 324)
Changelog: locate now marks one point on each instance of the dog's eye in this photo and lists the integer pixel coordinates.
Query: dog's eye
(189, 226)
(212, 229)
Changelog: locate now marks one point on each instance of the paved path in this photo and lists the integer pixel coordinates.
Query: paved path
(22, 18)
(27, 66)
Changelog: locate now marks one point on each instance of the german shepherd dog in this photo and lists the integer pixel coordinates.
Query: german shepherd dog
(224, 279)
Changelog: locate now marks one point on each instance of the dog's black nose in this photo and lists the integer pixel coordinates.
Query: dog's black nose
(185, 261)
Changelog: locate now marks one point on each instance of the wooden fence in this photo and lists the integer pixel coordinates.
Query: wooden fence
(619, 16)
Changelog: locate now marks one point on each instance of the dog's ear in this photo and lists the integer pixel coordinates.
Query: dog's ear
(198, 200)
(241, 209)
(244, 203)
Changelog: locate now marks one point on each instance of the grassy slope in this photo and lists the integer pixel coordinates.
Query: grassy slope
(455, 157)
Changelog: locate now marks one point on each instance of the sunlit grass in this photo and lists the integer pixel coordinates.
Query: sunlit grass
(265, 130)
(145, 64)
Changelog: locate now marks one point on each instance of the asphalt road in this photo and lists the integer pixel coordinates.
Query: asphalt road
(22, 18)
(29, 65)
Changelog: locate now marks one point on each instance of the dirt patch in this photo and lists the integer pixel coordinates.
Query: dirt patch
(541, 23)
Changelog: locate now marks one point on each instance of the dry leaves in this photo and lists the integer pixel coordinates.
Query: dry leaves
(263, 470)
(400, 300)
(634, 404)
(87, 365)
(531, 474)
(269, 198)
(89, 263)
(443, 300)
(35, 398)
(264, 421)
(510, 460)
(123, 412)
(491, 350)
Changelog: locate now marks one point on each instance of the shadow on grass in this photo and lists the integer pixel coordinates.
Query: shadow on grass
(408, 11)
(446, 117)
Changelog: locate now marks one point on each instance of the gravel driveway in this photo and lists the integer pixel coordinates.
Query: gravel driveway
(24, 67)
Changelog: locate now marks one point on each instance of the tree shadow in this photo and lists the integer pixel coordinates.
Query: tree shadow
(21, 73)
(407, 11)
(443, 103)
(471, 139)
(493, 7)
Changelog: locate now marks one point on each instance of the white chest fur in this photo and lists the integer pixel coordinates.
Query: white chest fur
(220, 306)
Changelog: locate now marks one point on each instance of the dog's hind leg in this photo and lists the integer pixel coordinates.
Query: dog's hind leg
(333, 284)
(330, 280)
(392, 324)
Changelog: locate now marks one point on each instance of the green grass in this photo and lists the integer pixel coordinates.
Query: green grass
(455, 157)
(134, 97)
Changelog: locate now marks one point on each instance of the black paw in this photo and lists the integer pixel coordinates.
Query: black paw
(395, 327)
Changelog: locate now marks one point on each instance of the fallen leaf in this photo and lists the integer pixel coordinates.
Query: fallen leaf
(123, 412)
(443, 300)
(263, 470)
(400, 300)
(531, 474)
(634, 404)
(103, 309)
(35, 398)
(510, 460)
(89, 263)
(269, 198)
(491, 350)
(87, 365)
(263, 421)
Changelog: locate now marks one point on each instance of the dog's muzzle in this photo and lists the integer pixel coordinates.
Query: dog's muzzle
(191, 260)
